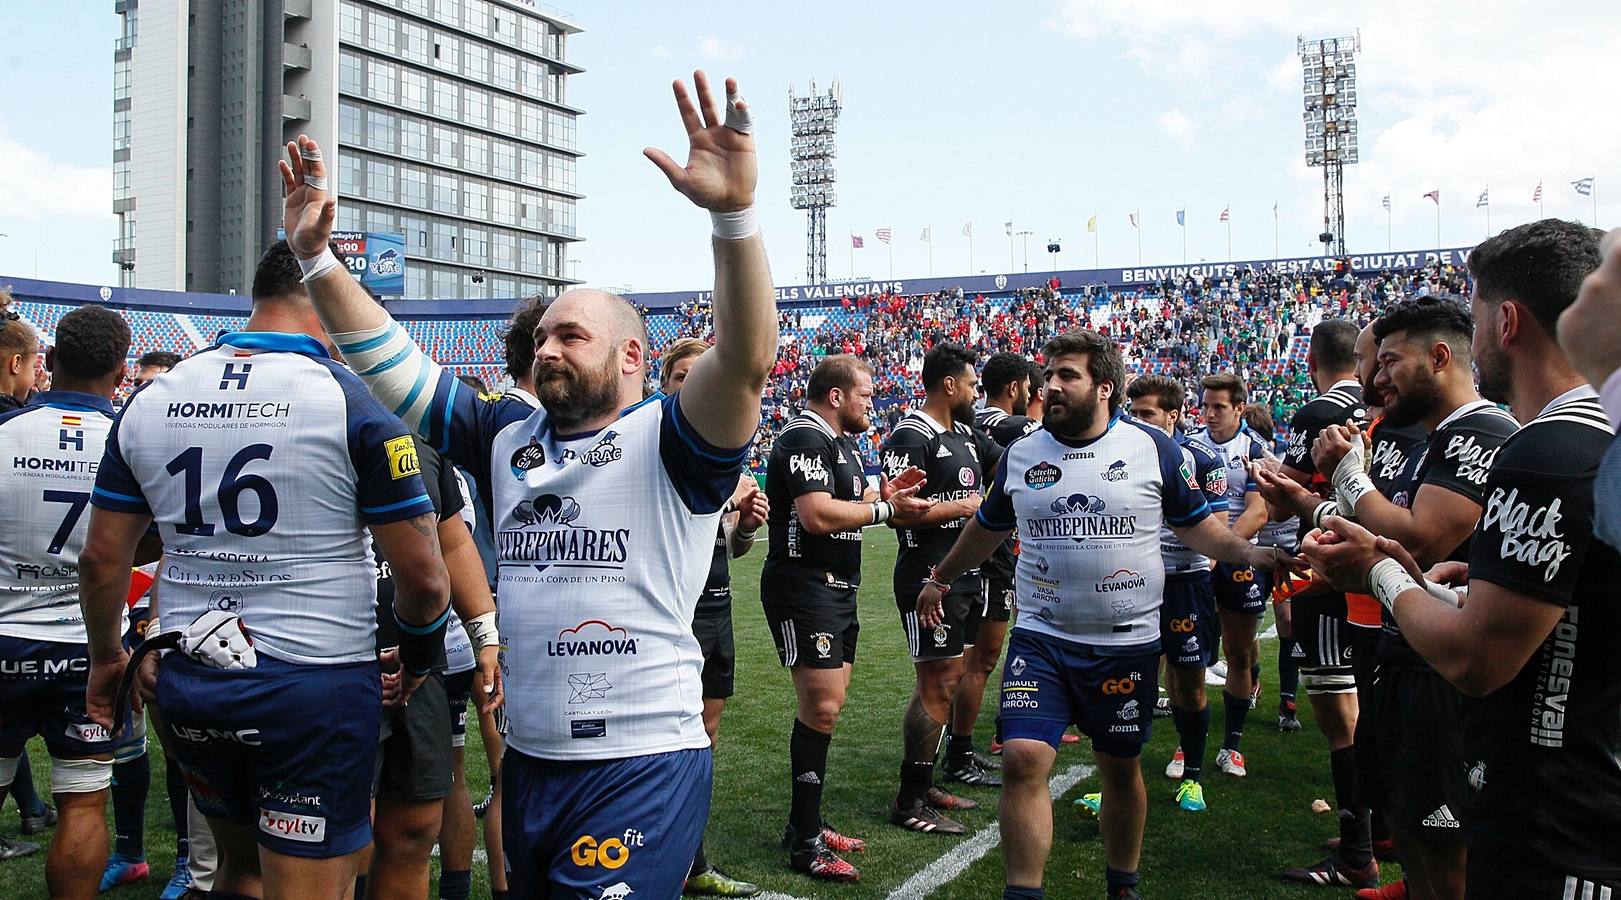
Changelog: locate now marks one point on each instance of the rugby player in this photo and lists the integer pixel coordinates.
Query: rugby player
(605, 506)
(1241, 592)
(1283, 534)
(52, 447)
(154, 363)
(819, 503)
(746, 511)
(263, 463)
(939, 439)
(1427, 377)
(1085, 648)
(1541, 736)
(1006, 384)
(1188, 622)
(19, 356)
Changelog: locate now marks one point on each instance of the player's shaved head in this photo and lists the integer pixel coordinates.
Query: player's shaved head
(591, 351)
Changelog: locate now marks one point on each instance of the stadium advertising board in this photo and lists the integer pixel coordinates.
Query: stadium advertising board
(375, 258)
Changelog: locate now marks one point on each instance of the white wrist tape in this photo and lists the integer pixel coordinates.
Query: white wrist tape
(882, 511)
(738, 117)
(1324, 510)
(1387, 580)
(481, 631)
(1351, 482)
(316, 266)
(746, 536)
(735, 226)
(1442, 592)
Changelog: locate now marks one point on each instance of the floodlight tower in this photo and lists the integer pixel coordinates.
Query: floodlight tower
(1329, 86)
(815, 121)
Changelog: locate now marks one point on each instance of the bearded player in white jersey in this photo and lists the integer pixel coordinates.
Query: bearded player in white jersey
(605, 507)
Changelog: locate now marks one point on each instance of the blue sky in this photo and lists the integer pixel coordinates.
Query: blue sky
(1039, 112)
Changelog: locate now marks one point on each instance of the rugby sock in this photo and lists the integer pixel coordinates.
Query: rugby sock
(132, 780)
(494, 895)
(1356, 840)
(1022, 893)
(22, 789)
(1381, 831)
(1117, 879)
(360, 887)
(1288, 671)
(1234, 711)
(959, 748)
(807, 755)
(1194, 729)
(1255, 672)
(455, 885)
(175, 783)
(700, 863)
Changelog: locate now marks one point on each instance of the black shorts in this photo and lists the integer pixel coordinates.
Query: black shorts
(1323, 642)
(1188, 624)
(945, 640)
(1420, 779)
(458, 689)
(713, 629)
(819, 631)
(996, 605)
(1241, 589)
(1497, 872)
(413, 751)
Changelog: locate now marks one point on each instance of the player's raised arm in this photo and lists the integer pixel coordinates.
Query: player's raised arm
(720, 176)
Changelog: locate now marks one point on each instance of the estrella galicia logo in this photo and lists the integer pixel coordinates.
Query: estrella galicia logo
(1042, 475)
(1116, 471)
(530, 456)
(1079, 503)
(547, 509)
(388, 264)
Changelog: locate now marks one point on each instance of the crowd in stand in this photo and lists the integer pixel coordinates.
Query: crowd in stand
(1252, 323)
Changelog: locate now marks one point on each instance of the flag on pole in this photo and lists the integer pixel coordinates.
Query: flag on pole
(1583, 186)
(1092, 224)
(1274, 209)
(1386, 202)
(968, 229)
(855, 241)
(1181, 217)
(925, 236)
(1536, 196)
(1485, 199)
(1009, 226)
(1225, 217)
(882, 234)
(1133, 217)
(1434, 195)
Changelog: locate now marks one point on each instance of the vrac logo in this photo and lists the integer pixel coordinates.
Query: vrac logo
(592, 637)
(603, 452)
(388, 264)
(1116, 471)
(615, 892)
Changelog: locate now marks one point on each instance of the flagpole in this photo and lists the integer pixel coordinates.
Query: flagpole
(970, 248)
(1139, 237)
(1184, 238)
(1229, 232)
(1094, 243)
(1540, 214)
(1388, 246)
(930, 242)
(1595, 202)
(891, 246)
(1438, 227)
(852, 258)
(1488, 210)
(1274, 230)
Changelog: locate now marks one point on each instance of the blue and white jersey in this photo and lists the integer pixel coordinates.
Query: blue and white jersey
(51, 450)
(1236, 453)
(1088, 514)
(262, 460)
(1211, 474)
(604, 542)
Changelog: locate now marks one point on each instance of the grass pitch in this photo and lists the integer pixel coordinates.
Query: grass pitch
(1255, 828)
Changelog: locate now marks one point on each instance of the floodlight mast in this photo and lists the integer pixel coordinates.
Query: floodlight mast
(815, 122)
(1329, 86)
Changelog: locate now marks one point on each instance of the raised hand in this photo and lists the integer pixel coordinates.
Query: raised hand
(721, 169)
(310, 207)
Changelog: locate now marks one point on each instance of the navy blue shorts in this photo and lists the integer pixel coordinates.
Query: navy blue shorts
(131, 742)
(1189, 627)
(1241, 589)
(285, 749)
(42, 692)
(1049, 685)
(608, 829)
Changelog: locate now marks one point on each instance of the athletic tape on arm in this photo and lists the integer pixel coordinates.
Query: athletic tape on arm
(394, 368)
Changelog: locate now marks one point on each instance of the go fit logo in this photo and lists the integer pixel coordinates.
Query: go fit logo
(612, 853)
(1115, 686)
(1182, 626)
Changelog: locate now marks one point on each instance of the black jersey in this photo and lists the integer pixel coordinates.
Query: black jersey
(1543, 748)
(440, 481)
(810, 457)
(717, 595)
(950, 460)
(1392, 447)
(1458, 457)
(1003, 429)
(1339, 405)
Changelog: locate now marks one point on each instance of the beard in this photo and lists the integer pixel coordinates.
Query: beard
(963, 412)
(1021, 404)
(1412, 404)
(1075, 419)
(853, 422)
(572, 396)
(1496, 376)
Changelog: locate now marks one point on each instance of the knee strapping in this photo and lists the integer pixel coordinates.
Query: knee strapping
(80, 776)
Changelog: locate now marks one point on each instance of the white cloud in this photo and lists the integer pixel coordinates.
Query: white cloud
(661, 52)
(711, 47)
(1178, 128)
(39, 189)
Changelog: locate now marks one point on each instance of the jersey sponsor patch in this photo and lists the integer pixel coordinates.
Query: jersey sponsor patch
(1042, 475)
(530, 456)
(402, 457)
(292, 826)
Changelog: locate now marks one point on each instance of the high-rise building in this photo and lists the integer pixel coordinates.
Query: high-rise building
(448, 119)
